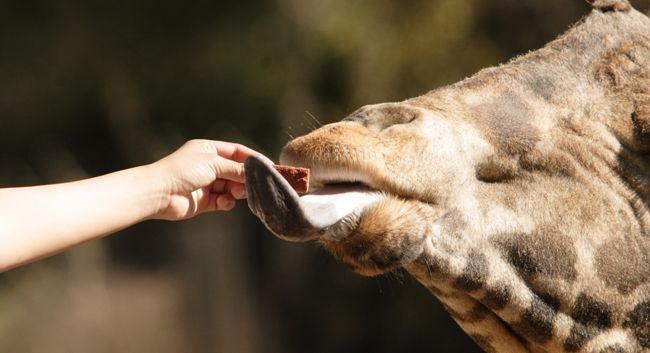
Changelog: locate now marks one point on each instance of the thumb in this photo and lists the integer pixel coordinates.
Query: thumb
(227, 169)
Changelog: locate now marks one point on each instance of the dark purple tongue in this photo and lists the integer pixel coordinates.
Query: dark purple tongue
(273, 200)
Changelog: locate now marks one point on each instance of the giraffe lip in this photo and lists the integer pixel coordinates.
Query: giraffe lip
(329, 211)
(345, 175)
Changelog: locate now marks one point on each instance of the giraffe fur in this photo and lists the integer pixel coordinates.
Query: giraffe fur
(520, 196)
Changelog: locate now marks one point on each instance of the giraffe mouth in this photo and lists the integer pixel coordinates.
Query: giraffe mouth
(331, 211)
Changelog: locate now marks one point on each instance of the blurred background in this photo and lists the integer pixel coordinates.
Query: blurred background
(88, 87)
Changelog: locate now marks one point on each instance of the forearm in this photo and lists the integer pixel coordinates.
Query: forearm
(42, 220)
(38, 221)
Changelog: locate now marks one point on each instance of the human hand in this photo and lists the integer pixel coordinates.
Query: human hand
(201, 176)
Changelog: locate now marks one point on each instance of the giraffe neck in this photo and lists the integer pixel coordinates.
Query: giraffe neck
(505, 300)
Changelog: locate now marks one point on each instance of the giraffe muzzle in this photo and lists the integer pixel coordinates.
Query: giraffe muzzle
(329, 212)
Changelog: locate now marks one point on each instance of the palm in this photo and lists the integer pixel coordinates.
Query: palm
(204, 176)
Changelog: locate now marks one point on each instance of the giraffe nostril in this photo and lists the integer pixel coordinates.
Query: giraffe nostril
(382, 116)
(354, 119)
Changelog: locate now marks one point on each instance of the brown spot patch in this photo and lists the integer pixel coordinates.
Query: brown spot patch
(484, 342)
(610, 5)
(432, 267)
(505, 121)
(591, 312)
(453, 221)
(497, 169)
(497, 297)
(436, 265)
(475, 273)
(578, 337)
(623, 263)
(638, 320)
(478, 313)
(613, 349)
(555, 163)
(551, 300)
(543, 86)
(536, 323)
(641, 120)
(545, 253)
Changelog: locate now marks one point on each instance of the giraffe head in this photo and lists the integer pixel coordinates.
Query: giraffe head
(519, 196)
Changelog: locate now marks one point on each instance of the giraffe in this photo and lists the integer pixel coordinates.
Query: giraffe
(519, 197)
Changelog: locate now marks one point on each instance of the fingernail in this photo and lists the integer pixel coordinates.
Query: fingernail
(225, 203)
(239, 193)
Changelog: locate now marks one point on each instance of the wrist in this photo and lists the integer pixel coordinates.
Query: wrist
(157, 196)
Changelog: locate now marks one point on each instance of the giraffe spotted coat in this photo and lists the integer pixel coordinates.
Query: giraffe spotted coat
(519, 196)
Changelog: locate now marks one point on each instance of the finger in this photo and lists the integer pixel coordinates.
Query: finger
(236, 152)
(227, 169)
(202, 198)
(219, 186)
(225, 202)
(212, 203)
(237, 190)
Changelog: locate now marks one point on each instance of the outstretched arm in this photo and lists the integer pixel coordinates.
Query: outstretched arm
(39, 221)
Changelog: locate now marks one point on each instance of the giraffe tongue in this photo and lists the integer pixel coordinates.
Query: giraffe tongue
(331, 204)
(294, 218)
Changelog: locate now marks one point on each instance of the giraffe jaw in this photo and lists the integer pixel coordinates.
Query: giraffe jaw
(330, 212)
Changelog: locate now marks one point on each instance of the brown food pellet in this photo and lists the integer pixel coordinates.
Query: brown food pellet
(297, 177)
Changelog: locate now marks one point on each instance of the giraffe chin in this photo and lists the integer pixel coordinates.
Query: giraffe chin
(329, 213)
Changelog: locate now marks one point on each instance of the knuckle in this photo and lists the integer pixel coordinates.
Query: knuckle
(201, 145)
(193, 142)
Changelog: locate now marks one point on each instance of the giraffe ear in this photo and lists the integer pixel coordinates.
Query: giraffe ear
(610, 5)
